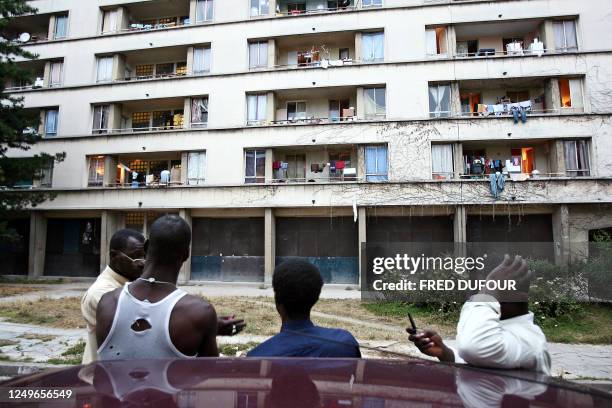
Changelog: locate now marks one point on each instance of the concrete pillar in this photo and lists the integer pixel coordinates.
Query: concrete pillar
(269, 245)
(358, 47)
(361, 234)
(455, 99)
(184, 167)
(114, 117)
(459, 224)
(271, 53)
(272, 8)
(187, 113)
(41, 122)
(38, 244)
(111, 222)
(561, 234)
(451, 41)
(190, 61)
(270, 107)
(458, 159)
(185, 273)
(361, 167)
(110, 170)
(51, 30)
(118, 67)
(47, 74)
(360, 108)
(552, 95)
(192, 11)
(123, 18)
(557, 157)
(269, 172)
(548, 35)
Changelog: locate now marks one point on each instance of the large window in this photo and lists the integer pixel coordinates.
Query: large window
(196, 168)
(100, 119)
(296, 110)
(258, 54)
(96, 171)
(256, 109)
(437, 44)
(375, 104)
(571, 93)
(51, 118)
(109, 21)
(565, 35)
(439, 100)
(105, 69)
(55, 78)
(201, 60)
(373, 46)
(61, 27)
(376, 163)
(254, 166)
(260, 7)
(204, 10)
(199, 112)
(577, 158)
(442, 161)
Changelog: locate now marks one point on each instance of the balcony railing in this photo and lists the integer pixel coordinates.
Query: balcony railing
(317, 11)
(138, 129)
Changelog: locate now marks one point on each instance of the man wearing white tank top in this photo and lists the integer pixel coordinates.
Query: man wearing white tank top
(150, 317)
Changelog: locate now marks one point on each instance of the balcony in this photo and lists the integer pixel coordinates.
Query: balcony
(337, 104)
(31, 29)
(311, 165)
(45, 74)
(319, 50)
(298, 7)
(145, 16)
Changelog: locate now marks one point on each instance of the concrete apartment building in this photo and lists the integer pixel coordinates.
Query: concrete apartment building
(283, 128)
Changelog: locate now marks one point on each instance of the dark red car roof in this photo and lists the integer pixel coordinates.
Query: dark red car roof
(297, 383)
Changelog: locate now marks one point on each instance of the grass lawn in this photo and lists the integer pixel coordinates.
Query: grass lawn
(63, 313)
(8, 290)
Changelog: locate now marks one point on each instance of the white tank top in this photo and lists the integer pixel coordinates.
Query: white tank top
(123, 342)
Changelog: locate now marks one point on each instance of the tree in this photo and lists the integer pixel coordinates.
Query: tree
(17, 123)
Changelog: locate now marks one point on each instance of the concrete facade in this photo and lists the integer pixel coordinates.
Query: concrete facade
(326, 100)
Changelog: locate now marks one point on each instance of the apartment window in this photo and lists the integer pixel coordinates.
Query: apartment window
(296, 110)
(196, 168)
(109, 21)
(105, 69)
(376, 163)
(167, 119)
(96, 171)
(375, 105)
(571, 94)
(258, 54)
(145, 70)
(256, 108)
(296, 7)
(204, 10)
(373, 46)
(201, 60)
(141, 120)
(339, 109)
(442, 161)
(437, 44)
(46, 174)
(51, 118)
(61, 27)
(165, 69)
(199, 112)
(565, 35)
(577, 158)
(100, 119)
(56, 74)
(372, 3)
(439, 100)
(254, 166)
(260, 7)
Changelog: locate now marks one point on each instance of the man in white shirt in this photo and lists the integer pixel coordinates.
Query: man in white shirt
(126, 264)
(491, 333)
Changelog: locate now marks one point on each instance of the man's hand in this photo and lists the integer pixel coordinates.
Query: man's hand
(430, 343)
(229, 325)
(511, 269)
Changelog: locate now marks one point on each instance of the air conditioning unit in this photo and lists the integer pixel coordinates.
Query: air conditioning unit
(39, 83)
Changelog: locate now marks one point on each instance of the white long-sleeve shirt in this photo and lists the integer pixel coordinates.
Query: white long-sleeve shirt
(486, 341)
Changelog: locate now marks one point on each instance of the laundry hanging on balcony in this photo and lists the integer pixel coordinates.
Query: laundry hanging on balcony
(497, 183)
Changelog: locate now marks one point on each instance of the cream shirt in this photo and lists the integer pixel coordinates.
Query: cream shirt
(486, 341)
(107, 281)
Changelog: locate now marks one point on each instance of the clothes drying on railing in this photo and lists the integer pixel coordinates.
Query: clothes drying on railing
(518, 110)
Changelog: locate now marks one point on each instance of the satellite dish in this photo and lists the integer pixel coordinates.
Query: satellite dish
(24, 37)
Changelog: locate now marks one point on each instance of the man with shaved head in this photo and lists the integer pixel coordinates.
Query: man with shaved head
(151, 318)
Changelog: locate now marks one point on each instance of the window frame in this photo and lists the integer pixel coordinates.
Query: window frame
(583, 144)
(441, 113)
(208, 17)
(101, 129)
(375, 115)
(258, 45)
(200, 179)
(378, 175)
(46, 132)
(98, 181)
(257, 120)
(255, 179)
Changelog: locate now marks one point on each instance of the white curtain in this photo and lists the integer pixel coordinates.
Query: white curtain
(565, 35)
(110, 21)
(51, 122)
(196, 168)
(431, 42)
(204, 10)
(260, 7)
(56, 73)
(375, 104)
(442, 160)
(201, 60)
(199, 110)
(61, 27)
(101, 118)
(105, 69)
(576, 93)
(258, 54)
(373, 46)
(439, 100)
(256, 107)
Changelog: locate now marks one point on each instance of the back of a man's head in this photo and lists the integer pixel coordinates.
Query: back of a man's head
(120, 239)
(169, 240)
(297, 285)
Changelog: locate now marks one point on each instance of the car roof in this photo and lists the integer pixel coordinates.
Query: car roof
(307, 382)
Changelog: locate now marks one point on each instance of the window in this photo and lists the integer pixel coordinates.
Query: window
(181, 68)
(201, 60)
(258, 54)
(442, 161)
(256, 109)
(565, 35)
(145, 70)
(372, 3)
(571, 94)
(344, 54)
(105, 69)
(164, 69)
(296, 110)
(100, 119)
(46, 174)
(56, 74)
(338, 109)
(109, 21)
(375, 104)
(260, 7)
(204, 10)
(376, 163)
(51, 116)
(439, 100)
(61, 27)
(577, 158)
(196, 168)
(296, 8)
(96, 171)
(141, 120)
(436, 41)
(373, 46)
(199, 112)
(168, 119)
(254, 166)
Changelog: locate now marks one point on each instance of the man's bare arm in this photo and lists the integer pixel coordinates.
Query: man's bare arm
(208, 325)
(105, 314)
